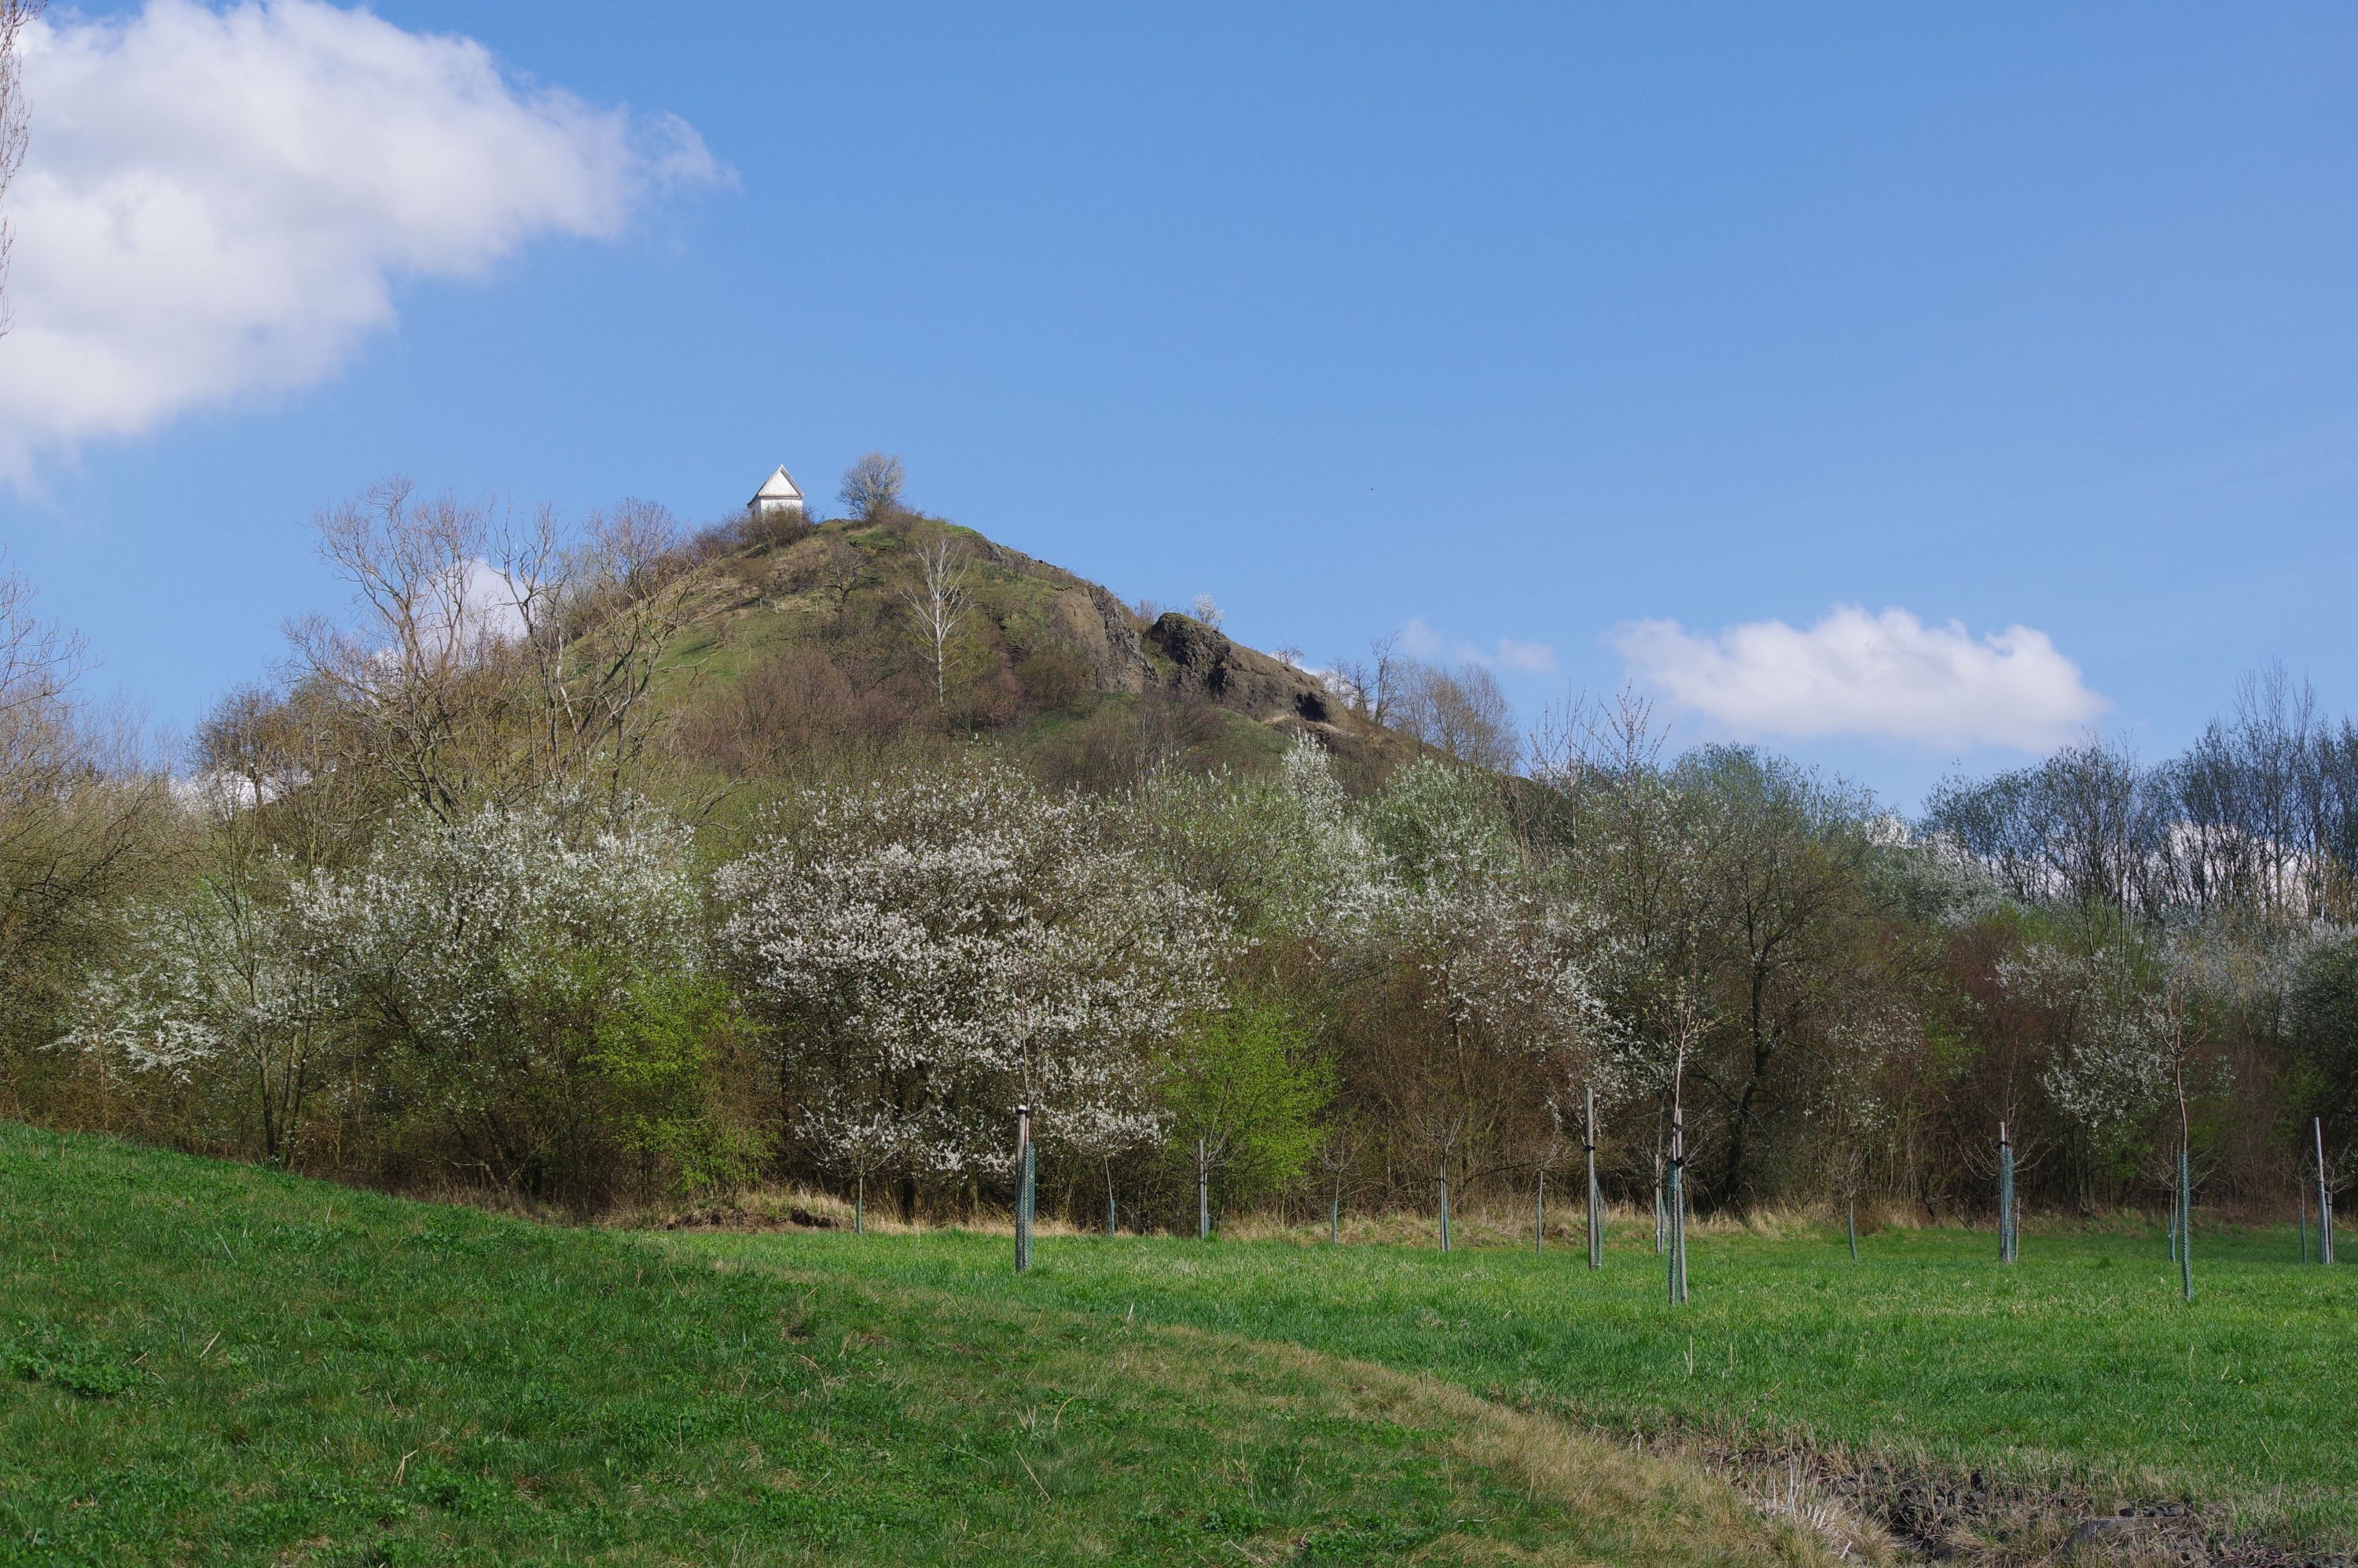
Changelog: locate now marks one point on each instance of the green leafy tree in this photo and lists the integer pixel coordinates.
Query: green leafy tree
(1250, 1083)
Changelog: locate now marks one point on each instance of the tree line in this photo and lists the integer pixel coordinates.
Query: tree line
(489, 892)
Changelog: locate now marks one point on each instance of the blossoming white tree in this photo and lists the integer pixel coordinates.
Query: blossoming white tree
(2123, 1015)
(525, 980)
(1284, 853)
(936, 948)
(225, 991)
(519, 992)
(1502, 953)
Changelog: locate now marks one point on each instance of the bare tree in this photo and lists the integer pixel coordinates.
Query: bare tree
(1461, 713)
(413, 674)
(594, 617)
(1383, 674)
(1208, 611)
(78, 806)
(15, 122)
(938, 596)
(1370, 685)
(839, 568)
(38, 662)
(872, 487)
(493, 654)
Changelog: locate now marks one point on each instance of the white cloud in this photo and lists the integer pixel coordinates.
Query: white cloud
(1528, 658)
(217, 203)
(1857, 674)
(1421, 641)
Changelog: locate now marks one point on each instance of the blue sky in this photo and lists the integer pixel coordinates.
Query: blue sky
(1600, 329)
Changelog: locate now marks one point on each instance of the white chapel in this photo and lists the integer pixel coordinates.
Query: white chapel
(779, 496)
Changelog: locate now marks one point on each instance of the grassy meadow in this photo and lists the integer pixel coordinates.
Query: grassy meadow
(206, 1363)
(2077, 1369)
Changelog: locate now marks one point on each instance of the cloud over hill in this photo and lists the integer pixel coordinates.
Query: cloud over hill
(220, 203)
(1887, 676)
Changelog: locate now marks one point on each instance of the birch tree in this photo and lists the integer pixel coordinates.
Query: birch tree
(939, 599)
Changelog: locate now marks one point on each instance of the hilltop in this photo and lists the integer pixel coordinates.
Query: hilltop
(803, 633)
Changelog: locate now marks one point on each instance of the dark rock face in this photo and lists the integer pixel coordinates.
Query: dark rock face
(1104, 636)
(1206, 664)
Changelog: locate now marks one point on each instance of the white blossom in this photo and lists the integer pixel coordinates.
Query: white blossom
(936, 949)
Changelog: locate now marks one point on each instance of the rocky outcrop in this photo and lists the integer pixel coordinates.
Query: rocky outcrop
(1105, 635)
(1200, 662)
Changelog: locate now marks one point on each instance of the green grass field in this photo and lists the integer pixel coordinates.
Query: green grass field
(2078, 1367)
(202, 1363)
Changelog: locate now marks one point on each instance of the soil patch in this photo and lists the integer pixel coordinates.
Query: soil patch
(1969, 1517)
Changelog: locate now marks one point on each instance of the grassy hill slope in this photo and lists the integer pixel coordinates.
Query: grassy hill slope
(206, 1363)
(1945, 1393)
(801, 637)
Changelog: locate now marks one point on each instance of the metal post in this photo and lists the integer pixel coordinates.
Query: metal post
(1539, 1214)
(859, 1204)
(1203, 1195)
(1677, 1205)
(2185, 1224)
(2006, 1241)
(2324, 1198)
(1595, 1209)
(1850, 1223)
(1444, 1210)
(1022, 1187)
(1335, 1217)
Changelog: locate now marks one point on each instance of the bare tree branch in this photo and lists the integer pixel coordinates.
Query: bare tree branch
(16, 122)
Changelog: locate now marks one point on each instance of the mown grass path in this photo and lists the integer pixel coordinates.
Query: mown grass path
(202, 1363)
(2081, 1363)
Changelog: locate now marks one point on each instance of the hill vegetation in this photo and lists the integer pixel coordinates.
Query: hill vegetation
(798, 644)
